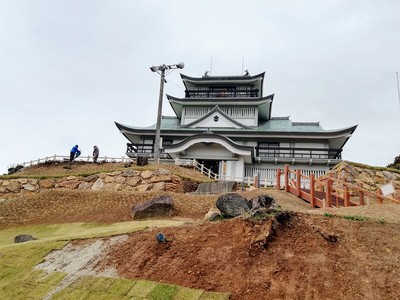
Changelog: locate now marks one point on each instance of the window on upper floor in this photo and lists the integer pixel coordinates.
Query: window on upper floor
(223, 91)
(268, 149)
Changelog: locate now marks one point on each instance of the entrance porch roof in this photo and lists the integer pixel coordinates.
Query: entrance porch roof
(209, 138)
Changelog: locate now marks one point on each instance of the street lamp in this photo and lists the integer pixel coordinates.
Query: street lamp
(161, 70)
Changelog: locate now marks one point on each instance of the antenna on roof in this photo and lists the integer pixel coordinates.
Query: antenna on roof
(210, 65)
(242, 64)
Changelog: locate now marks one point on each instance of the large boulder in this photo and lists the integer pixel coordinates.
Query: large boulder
(232, 205)
(160, 206)
(263, 201)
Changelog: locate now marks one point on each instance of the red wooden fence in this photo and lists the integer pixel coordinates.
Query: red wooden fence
(328, 191)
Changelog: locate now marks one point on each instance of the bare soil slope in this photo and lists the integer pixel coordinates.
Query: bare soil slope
(299, 263)
(252, 259)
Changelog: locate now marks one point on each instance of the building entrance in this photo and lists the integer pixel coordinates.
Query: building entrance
(213, 165)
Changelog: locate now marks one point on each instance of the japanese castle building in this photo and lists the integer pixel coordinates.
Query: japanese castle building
(225, 122)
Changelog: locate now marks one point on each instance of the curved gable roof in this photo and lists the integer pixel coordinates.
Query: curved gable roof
(214, 110)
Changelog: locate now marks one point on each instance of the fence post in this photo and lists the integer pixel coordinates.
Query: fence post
(55, 157)
(346, 196)
(312, 190)
(361, 194)
(278, 179)
(298, 182)
(328, 192)
(379, 198)
(202, 169)
(286, 178)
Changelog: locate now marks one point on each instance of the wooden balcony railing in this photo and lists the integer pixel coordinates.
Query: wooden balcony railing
(222, 93)
(135, 150)
(289, 152)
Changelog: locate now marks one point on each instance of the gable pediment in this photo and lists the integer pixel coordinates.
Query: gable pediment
(216, 119)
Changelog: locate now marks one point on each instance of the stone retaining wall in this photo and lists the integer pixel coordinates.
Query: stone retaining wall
(370, 179)
(128, 180)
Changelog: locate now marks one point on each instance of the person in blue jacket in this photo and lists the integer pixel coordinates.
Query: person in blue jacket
(75, 152)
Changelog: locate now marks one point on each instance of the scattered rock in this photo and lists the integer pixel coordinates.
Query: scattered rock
(29, 187)
(23, 238)
(90, 178)
(146, 174)
(159, 186)
(160, 206)
(120, 179)
(109, 179)
(143, 187)
(327, 235)
(129, 173)
(84, 186)
(46, 184)
(98, 185)
(232, 205)
(22, 180)
(213, 214)
(265, 235)
(13, 187)
(162, 178)
(133, 181)
(262, 201)
(162, 171)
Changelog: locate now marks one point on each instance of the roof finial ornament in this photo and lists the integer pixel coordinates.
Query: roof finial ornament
(208, 131)
(205, 74)
(246, 73)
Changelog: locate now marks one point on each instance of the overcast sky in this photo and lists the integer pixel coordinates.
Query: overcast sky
(69, 69)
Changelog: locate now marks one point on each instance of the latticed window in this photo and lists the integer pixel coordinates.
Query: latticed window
(269, 149)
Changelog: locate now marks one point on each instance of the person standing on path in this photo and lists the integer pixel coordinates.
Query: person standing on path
(95, 153)
(74, 153)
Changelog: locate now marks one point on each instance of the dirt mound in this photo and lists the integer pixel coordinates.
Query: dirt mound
(298, 263)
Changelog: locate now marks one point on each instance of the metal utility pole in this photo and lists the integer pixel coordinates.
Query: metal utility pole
(161, 70)
(398, 89)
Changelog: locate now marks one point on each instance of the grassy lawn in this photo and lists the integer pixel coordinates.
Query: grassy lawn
(18, 279)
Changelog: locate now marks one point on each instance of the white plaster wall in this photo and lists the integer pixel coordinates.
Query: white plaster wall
(235, 169)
